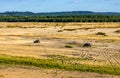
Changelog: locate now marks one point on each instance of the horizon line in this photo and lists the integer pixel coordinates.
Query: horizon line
(63, 11)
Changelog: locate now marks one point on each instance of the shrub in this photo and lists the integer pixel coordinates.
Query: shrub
(60, 30)
(70, 29)
(118, 31)
(101, 33)
(69, 46)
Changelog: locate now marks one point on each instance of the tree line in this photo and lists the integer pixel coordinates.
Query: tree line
(79, 18)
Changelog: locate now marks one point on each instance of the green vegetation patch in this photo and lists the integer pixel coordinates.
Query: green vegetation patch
(63, 18)
(56, 63)
(64, 58)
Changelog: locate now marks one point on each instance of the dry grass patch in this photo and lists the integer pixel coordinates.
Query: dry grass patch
(61, 25)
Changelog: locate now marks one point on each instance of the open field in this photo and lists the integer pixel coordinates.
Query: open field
(61, 47)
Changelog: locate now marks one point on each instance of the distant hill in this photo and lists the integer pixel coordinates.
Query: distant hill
(71, 16)
(69, 13)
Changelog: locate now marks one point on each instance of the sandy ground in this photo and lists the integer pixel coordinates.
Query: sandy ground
(26, 72)
(18, 41)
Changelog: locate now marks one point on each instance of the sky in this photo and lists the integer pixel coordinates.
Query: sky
(60, 5)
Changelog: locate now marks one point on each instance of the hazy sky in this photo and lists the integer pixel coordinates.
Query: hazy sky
(60, 5)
